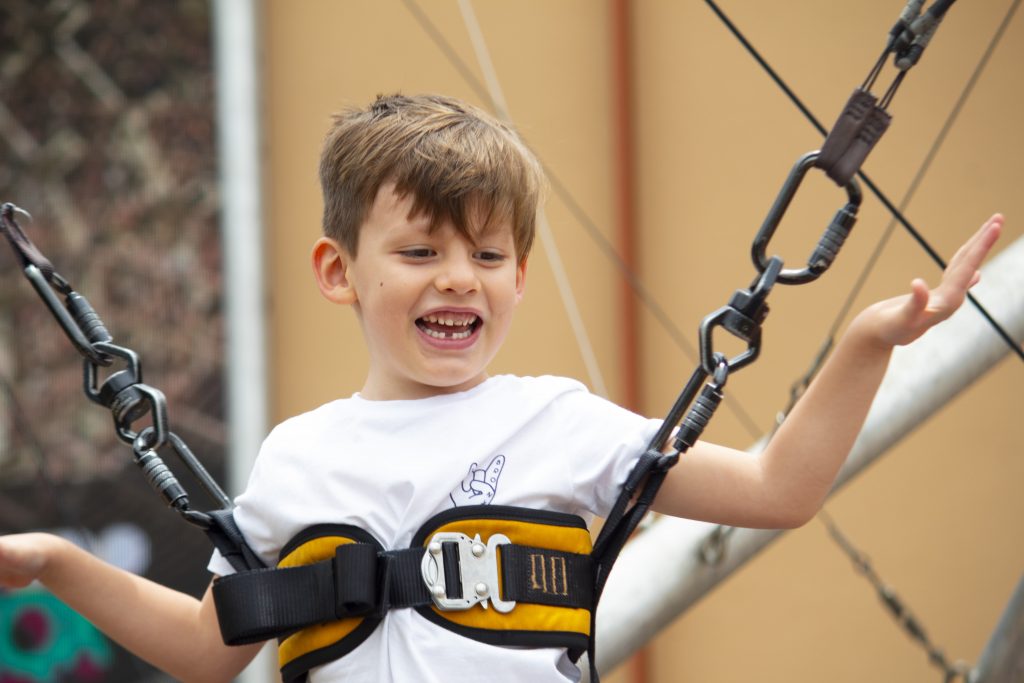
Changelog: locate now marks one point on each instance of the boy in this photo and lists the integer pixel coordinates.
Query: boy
(428, 221)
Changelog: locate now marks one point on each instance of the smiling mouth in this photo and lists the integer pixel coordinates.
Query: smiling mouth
(449, 326)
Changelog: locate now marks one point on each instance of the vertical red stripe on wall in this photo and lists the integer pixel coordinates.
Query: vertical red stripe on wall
(622, 160)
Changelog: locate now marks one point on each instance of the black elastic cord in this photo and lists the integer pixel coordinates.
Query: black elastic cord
(896, 213)
(921, 171)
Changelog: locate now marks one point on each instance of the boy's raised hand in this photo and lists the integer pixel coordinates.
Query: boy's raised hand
(903, 319)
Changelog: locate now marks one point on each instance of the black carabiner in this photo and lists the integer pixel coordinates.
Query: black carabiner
(71, 327)
(831, 241)
(80, 323)
(156, 471)
(703, 408)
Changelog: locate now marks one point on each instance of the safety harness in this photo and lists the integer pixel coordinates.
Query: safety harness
(499, 575)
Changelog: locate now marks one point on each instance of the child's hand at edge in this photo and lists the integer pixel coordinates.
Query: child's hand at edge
(23, 558)
(903, 319)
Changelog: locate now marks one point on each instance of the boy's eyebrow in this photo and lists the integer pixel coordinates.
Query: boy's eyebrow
(501, 230)
(405, 230)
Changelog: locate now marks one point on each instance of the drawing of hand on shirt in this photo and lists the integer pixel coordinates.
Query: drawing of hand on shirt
(480, 484)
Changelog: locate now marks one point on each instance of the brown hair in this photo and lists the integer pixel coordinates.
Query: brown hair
(459, 163)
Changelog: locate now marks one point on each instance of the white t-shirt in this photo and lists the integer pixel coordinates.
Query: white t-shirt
(388, 466)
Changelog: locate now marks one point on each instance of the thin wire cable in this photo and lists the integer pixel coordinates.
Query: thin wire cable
(896, 213)
(642, 293)
(860, 561)
(497, 98)
(958, 669)
(915, 183)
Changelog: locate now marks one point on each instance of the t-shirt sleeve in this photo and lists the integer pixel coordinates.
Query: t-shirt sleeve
(249, 512)
(606, 441)
(218, 566)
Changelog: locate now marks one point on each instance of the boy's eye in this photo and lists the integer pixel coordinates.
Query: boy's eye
(417, 253)
(490, 256)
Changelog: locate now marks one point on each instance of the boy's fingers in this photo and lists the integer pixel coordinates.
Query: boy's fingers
(982, 240)
(963, 267)
(919, 297)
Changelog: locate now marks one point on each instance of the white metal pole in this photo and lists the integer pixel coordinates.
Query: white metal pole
(239, 137)
(1002, 660)
(659, 574)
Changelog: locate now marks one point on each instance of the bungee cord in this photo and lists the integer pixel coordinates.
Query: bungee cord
(801, 384)
(714, 548)
(881, 196)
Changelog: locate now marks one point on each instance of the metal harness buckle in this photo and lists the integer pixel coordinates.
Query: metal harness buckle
(477, 571)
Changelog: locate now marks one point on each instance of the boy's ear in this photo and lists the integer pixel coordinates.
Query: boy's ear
(330, 267)
(520, 281)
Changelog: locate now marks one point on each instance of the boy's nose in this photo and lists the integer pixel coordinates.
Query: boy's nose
(457, 276)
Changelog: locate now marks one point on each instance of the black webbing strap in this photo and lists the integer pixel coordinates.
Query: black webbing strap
(640, 489)
(546, 577)
(227, 538)
(28, 253)
(261, 604)
(646, 477)
(363, 581)
(358, 581)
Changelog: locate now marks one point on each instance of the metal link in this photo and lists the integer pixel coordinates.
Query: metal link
(715, 545)
(124, 394)
(742, 318)
(895, 605)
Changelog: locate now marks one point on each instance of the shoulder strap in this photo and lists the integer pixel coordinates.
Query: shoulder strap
(646, 477)
(225, 535)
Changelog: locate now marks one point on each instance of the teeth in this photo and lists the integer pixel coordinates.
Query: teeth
(461, 325)
(450, 322)
(447, 335)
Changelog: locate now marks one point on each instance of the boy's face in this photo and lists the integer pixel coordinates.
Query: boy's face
(434, 307)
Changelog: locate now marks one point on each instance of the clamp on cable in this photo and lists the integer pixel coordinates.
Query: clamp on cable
(864, 118)
(913, 31)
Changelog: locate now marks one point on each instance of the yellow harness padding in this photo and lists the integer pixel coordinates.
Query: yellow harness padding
(317, 637)
(526, 625)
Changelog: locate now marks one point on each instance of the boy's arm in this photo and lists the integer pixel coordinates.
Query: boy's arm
(785, 485)
(174, 632)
